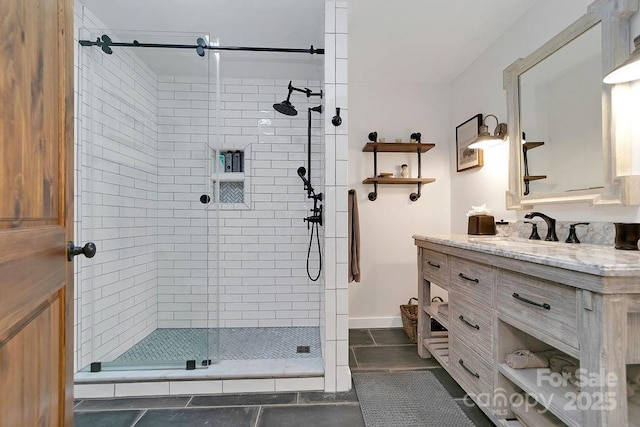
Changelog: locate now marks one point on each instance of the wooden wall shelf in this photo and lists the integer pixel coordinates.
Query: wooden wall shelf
(391, 180)
(396, 147)
(533, 177)
(530, 145)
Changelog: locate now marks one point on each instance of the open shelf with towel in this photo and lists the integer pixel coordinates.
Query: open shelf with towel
(396, 147)
(556, 399)
(433, 310)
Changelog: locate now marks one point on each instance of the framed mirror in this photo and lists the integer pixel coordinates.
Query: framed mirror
(567, 144)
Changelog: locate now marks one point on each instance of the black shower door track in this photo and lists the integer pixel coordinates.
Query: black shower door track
(136, 43)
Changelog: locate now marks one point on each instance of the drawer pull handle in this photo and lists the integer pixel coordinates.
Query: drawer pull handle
(466, 322)
(468, 278)
(433, 265)
(528, 301)
(475, 374)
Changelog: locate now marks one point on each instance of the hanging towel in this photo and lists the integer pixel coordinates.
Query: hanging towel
(354, 238)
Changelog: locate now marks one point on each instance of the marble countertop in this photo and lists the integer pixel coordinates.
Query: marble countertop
(592, 259)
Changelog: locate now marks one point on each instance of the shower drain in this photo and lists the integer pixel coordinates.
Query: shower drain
(303, 349)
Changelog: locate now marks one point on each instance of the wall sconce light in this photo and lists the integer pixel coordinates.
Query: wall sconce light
(629, 70)
(485, 139)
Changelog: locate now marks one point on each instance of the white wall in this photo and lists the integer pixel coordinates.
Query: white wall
(479, 90)
(388, 254)
(116, 195)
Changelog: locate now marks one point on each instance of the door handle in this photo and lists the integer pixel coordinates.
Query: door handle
(88, 250)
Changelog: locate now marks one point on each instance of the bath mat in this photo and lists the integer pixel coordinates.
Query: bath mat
(407, 399)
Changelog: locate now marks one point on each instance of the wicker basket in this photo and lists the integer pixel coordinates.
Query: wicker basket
(409, 313)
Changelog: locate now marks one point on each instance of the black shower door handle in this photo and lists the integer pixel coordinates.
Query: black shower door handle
(88, 250)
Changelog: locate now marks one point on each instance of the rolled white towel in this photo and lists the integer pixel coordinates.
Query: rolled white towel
(523, 359)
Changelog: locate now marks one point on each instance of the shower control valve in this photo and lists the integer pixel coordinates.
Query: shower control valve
(316, 218)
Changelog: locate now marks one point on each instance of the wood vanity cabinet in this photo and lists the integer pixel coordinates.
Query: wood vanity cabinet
(500, 302)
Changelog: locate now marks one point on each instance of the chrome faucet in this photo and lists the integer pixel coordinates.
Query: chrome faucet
(551, 225)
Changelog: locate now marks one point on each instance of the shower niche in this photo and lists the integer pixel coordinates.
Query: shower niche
(229, 179)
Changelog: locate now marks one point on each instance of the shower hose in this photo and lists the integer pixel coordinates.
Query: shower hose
(314, 230)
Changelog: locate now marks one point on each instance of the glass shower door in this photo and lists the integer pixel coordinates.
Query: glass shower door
(146, 122)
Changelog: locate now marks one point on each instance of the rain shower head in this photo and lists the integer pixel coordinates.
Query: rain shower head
(286, 108)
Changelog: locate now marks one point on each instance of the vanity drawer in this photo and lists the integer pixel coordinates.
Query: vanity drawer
(472, 372)
(472, 281)
(473, 326)
(546, 306)
(435, 268)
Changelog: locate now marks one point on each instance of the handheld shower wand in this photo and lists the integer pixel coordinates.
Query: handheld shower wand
(302, 171)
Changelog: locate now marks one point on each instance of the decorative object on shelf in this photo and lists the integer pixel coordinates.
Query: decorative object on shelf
(629, 70)
(385, 174)
(467, 133)
(398, 140)
(382, 140)
(485, 139)
(373, 136)
(416, 137)
(337, 120)
(376, 147)
(404, 171)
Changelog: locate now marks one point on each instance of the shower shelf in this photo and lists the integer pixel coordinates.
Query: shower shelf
(396, 147)
(229, 176)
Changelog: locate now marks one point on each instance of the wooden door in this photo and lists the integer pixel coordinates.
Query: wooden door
(36, 212)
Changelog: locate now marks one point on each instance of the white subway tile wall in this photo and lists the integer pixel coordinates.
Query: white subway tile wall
(116, 195)
(263, 242)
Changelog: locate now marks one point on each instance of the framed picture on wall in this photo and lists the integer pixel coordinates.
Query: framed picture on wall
(466, 133)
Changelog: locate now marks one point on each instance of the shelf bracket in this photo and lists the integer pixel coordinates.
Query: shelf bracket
(415, 196)
(526, 170)
(374, 194)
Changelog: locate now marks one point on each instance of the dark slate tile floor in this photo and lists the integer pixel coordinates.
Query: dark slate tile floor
(370, 350)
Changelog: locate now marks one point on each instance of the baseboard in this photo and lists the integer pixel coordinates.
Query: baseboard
(375, 322)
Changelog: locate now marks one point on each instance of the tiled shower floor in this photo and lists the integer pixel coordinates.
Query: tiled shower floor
(235, 344)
